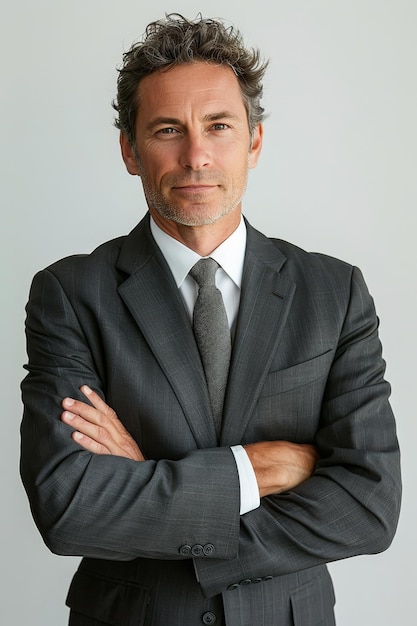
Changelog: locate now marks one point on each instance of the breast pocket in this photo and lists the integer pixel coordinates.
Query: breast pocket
(298, 375)
(289, 406)
(102, 600)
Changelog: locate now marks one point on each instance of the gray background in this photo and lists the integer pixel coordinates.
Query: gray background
(337, 174)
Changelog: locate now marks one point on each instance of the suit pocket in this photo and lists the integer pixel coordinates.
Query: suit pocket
(289, 406)
(313, 603)
(297, 375)
(108, 601)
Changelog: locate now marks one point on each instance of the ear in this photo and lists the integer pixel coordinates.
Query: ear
(128, 155)
(256, 146)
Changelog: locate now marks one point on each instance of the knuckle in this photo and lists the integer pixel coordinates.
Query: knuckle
(102, 433)
(99, 418)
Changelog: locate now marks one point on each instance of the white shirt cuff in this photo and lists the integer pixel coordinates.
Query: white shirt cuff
(249, 491)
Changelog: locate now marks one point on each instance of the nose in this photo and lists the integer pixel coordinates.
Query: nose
(195, 153)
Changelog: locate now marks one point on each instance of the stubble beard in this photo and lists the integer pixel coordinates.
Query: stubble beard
(203, 214)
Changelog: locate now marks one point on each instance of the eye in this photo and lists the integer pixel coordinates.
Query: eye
(220, 126)
(167, 131)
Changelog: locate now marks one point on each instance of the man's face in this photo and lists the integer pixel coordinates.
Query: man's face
(193, 146)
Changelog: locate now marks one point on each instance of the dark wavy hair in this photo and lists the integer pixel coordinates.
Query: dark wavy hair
(176, 40)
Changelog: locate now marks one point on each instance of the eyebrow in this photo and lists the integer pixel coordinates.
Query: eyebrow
(223, 115)
(211, 117)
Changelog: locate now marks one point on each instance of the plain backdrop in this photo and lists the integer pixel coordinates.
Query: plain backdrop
(337, 175)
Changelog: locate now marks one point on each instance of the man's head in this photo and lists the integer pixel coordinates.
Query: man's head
(190, 121)
(176, 41)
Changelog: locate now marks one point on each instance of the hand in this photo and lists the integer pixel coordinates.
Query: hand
(97, 428)
(281, 465)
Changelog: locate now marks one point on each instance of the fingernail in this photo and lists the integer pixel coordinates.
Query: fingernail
(67, 415)
(86, 389)
(68, 401)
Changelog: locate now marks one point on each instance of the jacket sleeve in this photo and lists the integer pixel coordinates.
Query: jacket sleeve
(108, 506)
(351, 504)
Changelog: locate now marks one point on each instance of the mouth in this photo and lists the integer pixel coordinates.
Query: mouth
(194, 188)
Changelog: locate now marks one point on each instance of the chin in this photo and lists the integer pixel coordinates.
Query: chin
(195, 217)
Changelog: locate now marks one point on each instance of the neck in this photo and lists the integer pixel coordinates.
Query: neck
(202, 239)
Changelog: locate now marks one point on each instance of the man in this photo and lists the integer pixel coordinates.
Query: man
(194, 505)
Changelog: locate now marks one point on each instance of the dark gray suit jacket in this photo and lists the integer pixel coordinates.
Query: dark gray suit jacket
(163, 540)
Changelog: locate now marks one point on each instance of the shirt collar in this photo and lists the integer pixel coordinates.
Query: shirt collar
(230, 255)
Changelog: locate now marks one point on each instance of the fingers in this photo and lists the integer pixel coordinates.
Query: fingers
(97, 428)
(85, 425)
(97, 402)
(99, 421)
(89, 444)
(96, 413)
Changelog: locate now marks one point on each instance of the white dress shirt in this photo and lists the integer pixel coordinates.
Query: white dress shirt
(230, 256)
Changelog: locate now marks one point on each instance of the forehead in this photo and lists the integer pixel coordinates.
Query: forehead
(200, 85)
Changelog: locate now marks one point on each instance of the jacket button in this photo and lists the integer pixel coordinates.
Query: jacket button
(209, 618)
(256, 580)
(197, 550)
(245, 581)
(185, 550)
(208, 549)
(267, 578)
(232, 587)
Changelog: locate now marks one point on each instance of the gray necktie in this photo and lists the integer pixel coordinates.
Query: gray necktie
(212, 333)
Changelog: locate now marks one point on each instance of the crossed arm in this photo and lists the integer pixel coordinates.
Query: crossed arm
(278, 465)
(349, 505)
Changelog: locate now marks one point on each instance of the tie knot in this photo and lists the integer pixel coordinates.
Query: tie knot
(204, 272)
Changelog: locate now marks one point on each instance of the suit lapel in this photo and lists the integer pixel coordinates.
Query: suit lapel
(265, 302)
(152, 297)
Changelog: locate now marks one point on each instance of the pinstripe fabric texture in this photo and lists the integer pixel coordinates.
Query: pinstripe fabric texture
(163, 541)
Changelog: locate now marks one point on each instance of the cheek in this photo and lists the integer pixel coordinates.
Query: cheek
(149, 171)
(238, 168)
(158, 164)
(235, 157)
